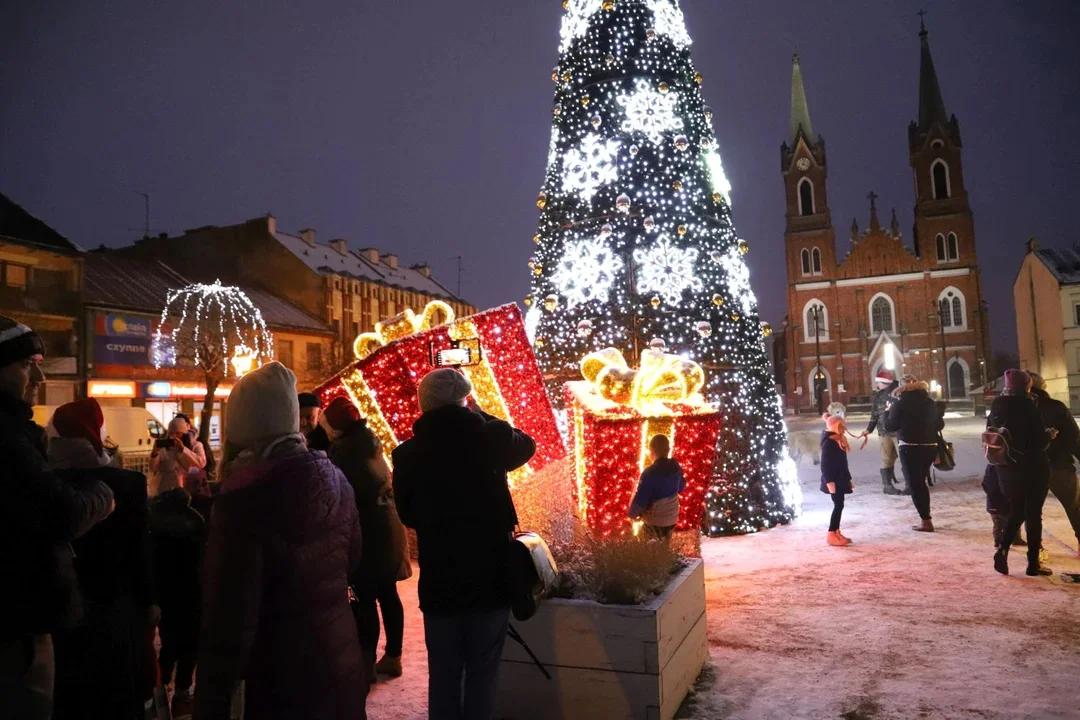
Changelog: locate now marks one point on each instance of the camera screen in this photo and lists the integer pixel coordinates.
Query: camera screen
(454, 357)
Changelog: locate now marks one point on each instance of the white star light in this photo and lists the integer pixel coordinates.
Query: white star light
(738, 277)
(668, 20)
(650, 112)
(667, 270)
(586, 271)
(576, 22)
(590, 165)
(715, 166)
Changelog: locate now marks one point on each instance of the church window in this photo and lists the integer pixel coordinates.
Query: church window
(815, 320)
(805, 256)
(954, 247)
(806, 197)
(942, 256)
(951, 306)
(881, 315)
(939, 175)
(816, 255)
(946, 313)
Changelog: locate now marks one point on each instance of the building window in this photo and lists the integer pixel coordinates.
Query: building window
(55, 280)
(1076, 314)
(939, 176)
(881, 314)
(806, 197)
(816, 255)
(805, 256)
(314, 357)
(951, 306)
(284, 353)
(954, 247)
(942, 255)
(15, 275)
(815, 321)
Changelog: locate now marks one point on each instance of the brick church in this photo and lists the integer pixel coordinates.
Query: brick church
(881, 302)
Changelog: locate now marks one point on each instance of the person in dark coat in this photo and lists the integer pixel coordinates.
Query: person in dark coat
(310, 427)
(356, 450)
(915, 419)
(40, 516)
(885, 383)
(835, 474)
(104, 667)
(178, 540)
(450, 485)
(284, 538)
(1063, 448)
(656, 500)
(1026, 480)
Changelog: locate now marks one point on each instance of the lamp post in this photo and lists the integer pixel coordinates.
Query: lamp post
(819, 376)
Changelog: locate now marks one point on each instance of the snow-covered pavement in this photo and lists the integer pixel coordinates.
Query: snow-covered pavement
(898, 625)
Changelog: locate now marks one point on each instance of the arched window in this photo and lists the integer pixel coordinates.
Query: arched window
(806, 197)
(881, 314)
(816, 254)
(942, 253)
(954, 247)
(958, 378)
(815, 320)
(805, 257)
(953, 308)
(945, 309)
(939, 175)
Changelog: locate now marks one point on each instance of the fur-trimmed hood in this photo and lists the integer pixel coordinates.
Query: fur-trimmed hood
(917, 385)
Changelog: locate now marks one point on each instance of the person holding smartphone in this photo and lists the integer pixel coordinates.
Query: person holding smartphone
(174, 456)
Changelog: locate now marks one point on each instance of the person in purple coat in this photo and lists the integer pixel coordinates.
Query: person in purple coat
(656, 501)
(835, 475)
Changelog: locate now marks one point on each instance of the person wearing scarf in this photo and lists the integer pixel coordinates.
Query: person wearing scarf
(835, 475)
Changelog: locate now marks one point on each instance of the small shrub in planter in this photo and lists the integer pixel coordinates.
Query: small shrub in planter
(615, 571)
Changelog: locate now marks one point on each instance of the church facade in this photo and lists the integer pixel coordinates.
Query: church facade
(883, 304)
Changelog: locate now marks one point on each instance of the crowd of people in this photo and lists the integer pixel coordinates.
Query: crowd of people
(1037, 436)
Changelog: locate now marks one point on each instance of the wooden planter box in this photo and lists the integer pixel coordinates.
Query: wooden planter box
(608, 661)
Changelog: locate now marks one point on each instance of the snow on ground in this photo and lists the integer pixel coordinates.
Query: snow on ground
(898, 625)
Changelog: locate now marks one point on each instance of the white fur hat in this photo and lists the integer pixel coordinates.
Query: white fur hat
(262, 406)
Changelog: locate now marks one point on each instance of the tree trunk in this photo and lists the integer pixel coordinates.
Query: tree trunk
(204, 424)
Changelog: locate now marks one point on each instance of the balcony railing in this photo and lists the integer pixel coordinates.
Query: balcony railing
(40, 300)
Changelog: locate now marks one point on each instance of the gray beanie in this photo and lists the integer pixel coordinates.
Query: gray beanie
(262, 406)
(442, 387)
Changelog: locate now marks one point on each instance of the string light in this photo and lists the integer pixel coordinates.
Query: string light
(683, 276)
(215, 318)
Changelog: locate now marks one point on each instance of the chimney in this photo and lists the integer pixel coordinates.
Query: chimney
(308, 236)
(371, 255)
(271, 224)
(1033, 245)
(339, 245)
(391, 260)
(423, 268)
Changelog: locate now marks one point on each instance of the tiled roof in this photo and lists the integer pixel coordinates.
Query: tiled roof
(325, 259)
(142, 285)
(17, 224)
(1064, 263)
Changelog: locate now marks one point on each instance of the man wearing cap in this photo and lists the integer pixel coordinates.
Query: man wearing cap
(312, 429)
(39, 517)
(450, 486)
(885, 382)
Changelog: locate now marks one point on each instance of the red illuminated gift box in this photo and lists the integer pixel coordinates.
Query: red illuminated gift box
(506, 382)
(612, 416)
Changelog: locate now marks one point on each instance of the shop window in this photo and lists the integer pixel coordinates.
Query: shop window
(314, 356)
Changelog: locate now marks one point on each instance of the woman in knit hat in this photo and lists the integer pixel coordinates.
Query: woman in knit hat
(356, 450)
(104, 667)
(283, 539)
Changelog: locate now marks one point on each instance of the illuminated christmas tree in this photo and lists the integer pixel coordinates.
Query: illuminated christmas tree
(636, 247)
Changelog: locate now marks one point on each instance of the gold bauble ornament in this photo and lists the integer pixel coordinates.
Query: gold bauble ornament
(736, 317)
(655, 302)
(541, 200)
(540, 342)
(717, 301)
(766, 329)
(682, 230)
(585, 101)
(536, 238)
(551, 302)
(555, 75)
(608, 5)
(664, 87)
(717, 197)
(528, 301)
(565, 4)
(537, 269)
(677, 184)
(744, 247)
(566, 77)
(699, 78)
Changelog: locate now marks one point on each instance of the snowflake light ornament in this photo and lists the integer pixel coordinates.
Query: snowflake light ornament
(590, 165)
(553, 147)
(667, 270)
(715, 166)
(738, 277)
(650, 112)
(586, 271)
(576, 22)
(668, 20)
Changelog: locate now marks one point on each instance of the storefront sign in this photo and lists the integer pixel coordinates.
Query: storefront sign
(122, 340)
(179, 390)
(110, 388)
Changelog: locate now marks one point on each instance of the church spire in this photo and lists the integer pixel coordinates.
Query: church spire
(800, 112)
(875, 224)
(931, 106)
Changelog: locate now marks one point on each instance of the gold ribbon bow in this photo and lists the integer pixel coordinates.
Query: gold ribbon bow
(400, 326)
(661, 377)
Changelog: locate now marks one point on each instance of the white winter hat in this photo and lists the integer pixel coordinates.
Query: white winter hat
(442, 387)
(262, 406)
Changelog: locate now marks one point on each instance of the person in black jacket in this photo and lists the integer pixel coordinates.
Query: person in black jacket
(310, 427)
(1063, 448)
(1025, 481)
(885, 383)
(915, 419)
(104, 667)
(40, 515)
(450, 485)
(835, 475)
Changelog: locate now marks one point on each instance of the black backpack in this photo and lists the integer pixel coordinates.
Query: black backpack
(996, 446)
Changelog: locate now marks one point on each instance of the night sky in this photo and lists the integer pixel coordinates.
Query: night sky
(422, 127)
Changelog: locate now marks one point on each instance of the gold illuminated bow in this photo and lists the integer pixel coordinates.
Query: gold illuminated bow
(400, 326)
(660, 378)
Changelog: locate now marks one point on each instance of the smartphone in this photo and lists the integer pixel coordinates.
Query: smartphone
(164, 443)
(454, 357)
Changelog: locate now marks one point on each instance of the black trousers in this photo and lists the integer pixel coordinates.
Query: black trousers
(179, 633)
(837, 511)
(1066, 489)
(371, 598)
(1026, 488)
(915, 461)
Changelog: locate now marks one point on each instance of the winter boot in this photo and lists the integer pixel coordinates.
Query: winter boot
(1001, 561)
(836, 540)
(999, 528)
(887, 478)
(925, 526)
(1037, 568)
(845, 537)
(389, 666)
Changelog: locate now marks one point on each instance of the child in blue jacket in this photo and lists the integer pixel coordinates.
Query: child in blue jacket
(657, 498)
(835, 475)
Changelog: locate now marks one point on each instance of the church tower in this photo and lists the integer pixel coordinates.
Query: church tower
(944, 226)
(808, 235)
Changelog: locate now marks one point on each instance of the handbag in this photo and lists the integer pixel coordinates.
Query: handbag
(946, 457)
(530, 572)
